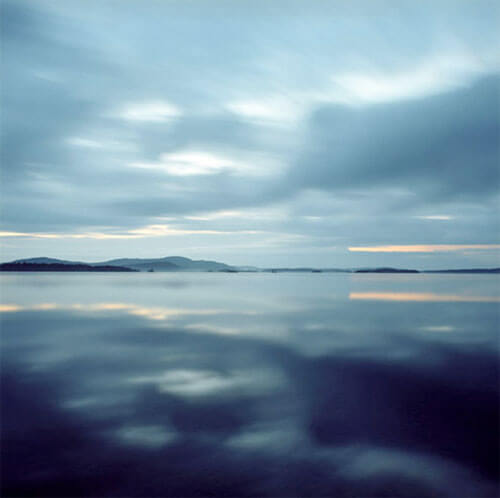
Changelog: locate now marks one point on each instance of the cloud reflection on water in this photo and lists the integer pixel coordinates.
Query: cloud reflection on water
(334, 397)
(155, 313)
(423, 297)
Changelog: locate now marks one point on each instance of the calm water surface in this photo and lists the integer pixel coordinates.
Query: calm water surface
(250, 385)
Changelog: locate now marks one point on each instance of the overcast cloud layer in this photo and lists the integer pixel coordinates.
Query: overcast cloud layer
(265, 133)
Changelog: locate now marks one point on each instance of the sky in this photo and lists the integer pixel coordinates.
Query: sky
(268, 133)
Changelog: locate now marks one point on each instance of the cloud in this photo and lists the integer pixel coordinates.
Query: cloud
(190, 163)
(434, 75)
(437, 217)
(109, 124)
(273, 109)
(136, 233)
(150, 111)
(427, 248)
(442, 147)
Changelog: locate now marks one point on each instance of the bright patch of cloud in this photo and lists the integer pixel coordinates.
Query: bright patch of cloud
(426, 248)
(438, 217)
(155, 111)
(434, 75)
(190, 383)
(271, 110)
(162, 230)
(216, 215)
(194, 162)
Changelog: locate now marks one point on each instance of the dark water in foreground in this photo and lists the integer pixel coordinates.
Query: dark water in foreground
(250, 385)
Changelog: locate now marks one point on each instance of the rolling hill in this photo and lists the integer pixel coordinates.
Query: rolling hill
(169, 263)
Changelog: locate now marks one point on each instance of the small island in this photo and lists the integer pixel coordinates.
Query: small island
(385, 270)
(467, 270)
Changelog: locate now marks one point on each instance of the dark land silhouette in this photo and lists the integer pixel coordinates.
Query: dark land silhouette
(385, 270)
(61, 267)
(182, 264)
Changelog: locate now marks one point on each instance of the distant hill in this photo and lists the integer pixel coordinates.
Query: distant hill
(306, 270)
(46, 261)
(385, 270)
(293, 270)
(58, 267)
(141, 264)
(169, 263)
(179, 263)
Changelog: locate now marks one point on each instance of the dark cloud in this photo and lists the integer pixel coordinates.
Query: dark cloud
(440, 148)
(40, 105)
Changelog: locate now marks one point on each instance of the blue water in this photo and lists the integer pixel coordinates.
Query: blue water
(206, 384)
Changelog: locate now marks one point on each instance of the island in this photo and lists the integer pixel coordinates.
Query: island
(385, 270)
(183, 264)
(61, 267)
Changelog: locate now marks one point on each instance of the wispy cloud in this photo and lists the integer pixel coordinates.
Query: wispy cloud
(436, 217)
(195, 162)
(136, 233)
(434, 74)
(155, 111)
(89, 235)
(271, 109)
(426, 248)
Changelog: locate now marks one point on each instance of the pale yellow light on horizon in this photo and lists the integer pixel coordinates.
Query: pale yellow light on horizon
(92, 235)
(136, 233)
(425, 248)
(9, 308)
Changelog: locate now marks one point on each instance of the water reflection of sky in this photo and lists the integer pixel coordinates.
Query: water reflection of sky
(245, 385)
(423, 297)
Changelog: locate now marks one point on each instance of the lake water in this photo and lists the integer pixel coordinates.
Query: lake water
(207, 384)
